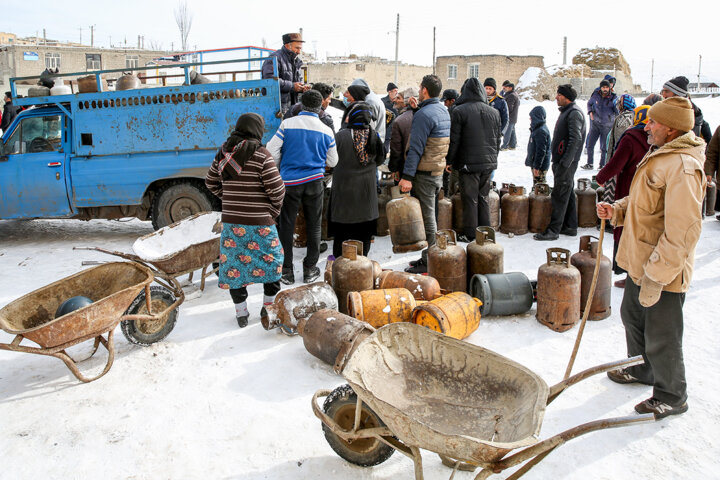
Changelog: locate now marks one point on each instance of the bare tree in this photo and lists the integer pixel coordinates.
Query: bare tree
(183, 18)
(155, 45)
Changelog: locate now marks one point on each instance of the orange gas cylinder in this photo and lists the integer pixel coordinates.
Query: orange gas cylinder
(422, 287)
(380, 307)
(456, 315)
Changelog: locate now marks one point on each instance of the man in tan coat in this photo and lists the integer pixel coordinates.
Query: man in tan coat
(667, 191)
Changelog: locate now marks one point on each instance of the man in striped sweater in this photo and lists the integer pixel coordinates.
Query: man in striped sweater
(302, 147)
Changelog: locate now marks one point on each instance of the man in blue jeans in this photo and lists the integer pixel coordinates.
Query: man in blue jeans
(602, 110)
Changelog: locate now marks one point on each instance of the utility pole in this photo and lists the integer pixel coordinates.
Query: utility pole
(564, 50)
(138, 42)
(433, 50)
(699, 65)
(397, 43)
(80, 35)
(44, 37)
(92, 35)
(652, 74)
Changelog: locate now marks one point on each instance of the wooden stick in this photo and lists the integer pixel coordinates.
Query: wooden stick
(588, 303)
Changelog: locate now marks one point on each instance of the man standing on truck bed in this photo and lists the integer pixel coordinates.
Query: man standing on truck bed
(302, 147)
(288, 62)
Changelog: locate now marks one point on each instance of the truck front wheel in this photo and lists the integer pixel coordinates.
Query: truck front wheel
(175, 201)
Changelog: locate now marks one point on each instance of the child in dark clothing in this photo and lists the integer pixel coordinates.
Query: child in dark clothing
(538, 150)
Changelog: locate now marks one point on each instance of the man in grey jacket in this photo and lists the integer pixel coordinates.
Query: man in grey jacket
(513, 103)
(567, 143)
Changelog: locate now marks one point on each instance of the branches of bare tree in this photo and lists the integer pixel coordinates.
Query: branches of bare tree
(183, 18)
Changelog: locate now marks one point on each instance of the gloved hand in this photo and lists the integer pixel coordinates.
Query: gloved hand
(649, 292)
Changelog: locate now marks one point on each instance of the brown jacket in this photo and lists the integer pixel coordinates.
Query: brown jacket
(666, 191)
(712, 155)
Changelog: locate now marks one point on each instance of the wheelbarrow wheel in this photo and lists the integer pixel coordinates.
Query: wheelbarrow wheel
(366, 452)
(147, 332)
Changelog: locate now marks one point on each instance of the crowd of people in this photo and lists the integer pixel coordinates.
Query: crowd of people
(651, 162)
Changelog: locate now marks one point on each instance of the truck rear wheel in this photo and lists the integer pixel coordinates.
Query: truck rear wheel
(179, 200)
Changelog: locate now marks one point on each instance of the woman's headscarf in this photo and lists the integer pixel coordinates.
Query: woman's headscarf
(627, 101)
(365, 140)
(241, 145)
(640, 115)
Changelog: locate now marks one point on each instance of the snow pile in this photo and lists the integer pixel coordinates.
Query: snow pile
(600, 58)
(536, 84)
(175, 238)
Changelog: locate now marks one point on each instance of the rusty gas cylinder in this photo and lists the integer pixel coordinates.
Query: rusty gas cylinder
(422, 287)
(127, 81)
(300, 235)
(515, 211)
(380, 307)
(457, 213)
(447, 262)
(332, 336)
(376, 269)
(293, 304)
(494, 204)
(505, 189)
(540, 208)
(444, 213)
(351, 273)
(383, 229)
(484, 255)
(584, 260)
(386, 179)
(328, 271)
(558, 291)
(456, 315)
(407, 231)
(586, 199)
(710, 199)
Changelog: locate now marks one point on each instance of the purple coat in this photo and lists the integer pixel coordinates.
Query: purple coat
(604, 109)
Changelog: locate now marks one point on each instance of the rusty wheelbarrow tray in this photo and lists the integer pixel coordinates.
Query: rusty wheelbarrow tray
(111, 286)
(190, 256)
(464, 402)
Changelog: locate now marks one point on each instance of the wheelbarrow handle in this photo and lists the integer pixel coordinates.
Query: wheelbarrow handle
(126, 256)
(558, 388)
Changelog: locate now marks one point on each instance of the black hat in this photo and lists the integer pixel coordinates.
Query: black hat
(604, 83)
(449, 94)
(678, 85)
(358, 92)
(490, 82)
(506, 83)
(391, 86)
(292, 37)
(567, 91)
(312, 101)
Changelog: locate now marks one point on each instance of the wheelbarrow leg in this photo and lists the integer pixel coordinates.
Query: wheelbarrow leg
(109, 344)
(94, 350)
(417, 460)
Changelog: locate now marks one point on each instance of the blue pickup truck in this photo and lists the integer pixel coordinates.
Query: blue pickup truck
(132, 153)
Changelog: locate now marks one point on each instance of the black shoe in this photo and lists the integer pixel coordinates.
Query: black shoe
(464, 239)
(242, 321)
(546, 236)
(660, 409)
(323, 247)
(419, 267)
(415, 262)
(587, 166)
(570, 232)
(288, 277)
(310, 274)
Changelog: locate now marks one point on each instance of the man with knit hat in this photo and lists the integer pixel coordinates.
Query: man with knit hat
(678, 87)
(391, 112)
(566, 149)
(602, 110)
(288, 65)
(513, 103)
(661, 223)
(302, 147)
(497, 102)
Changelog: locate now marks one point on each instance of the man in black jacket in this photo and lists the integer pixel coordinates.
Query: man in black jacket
(326, 92)
(10, 111)
(513, 103)
(288, 63)
(567, 144)
(474, 145)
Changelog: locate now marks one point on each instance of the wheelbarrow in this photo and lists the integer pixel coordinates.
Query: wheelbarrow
(412, 388)
(111, 286)
(174, 251)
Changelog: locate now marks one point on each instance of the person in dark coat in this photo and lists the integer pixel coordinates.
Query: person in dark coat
(391, 112)
(400, 135)
(326, 92)
(244, 176)
(631, 148)
(354, 198)
(288, 64)
(354, 93)
(513, 103)
(567, 143)
(10, 111)
(497, 102)
(538, 149)
(602, 110)
(474, 146)
(449, 97)
(678, 87)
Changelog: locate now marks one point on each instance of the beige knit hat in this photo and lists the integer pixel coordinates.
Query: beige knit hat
(674, 112)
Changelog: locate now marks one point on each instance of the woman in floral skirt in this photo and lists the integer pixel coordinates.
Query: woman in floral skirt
(244, 176)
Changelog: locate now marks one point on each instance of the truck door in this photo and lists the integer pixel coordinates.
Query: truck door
(32, 169)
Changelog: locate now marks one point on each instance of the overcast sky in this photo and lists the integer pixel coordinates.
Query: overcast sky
(673, 33)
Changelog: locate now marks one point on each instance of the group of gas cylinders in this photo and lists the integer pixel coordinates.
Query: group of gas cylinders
(358, 296)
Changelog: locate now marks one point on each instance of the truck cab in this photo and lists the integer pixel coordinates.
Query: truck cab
(133, 153)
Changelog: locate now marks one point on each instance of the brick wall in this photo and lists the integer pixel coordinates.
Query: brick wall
(377, 75)
(499, 67)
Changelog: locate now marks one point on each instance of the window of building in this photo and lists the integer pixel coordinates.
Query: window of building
(132, 61)
(452, 72)
(360, 67)
(93, 61)
(52, 60)
(474, 70)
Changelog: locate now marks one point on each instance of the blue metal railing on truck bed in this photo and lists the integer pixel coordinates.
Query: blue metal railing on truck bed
(162, 118)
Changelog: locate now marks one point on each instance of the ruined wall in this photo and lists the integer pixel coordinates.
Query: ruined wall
(500, 67)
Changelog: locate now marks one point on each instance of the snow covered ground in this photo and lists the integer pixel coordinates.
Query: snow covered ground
(213, 401)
